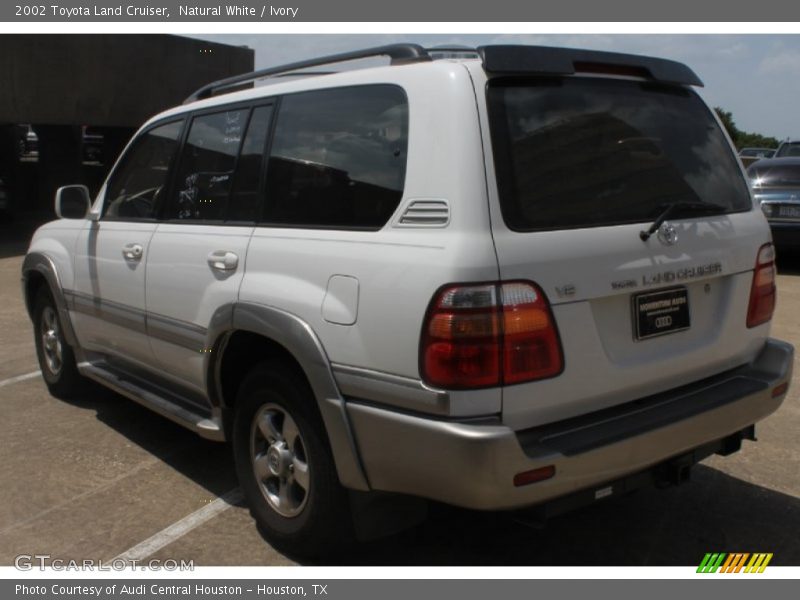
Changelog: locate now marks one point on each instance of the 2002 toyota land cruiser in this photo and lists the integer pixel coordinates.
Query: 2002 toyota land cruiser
(519, 276)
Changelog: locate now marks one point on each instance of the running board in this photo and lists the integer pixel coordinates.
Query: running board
(155, 398)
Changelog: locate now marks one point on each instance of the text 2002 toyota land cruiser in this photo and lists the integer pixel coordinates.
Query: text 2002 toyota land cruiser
(510, 278)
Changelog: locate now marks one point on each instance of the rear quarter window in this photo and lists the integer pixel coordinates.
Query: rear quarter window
(338, 158)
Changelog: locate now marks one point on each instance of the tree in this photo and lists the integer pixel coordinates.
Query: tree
(743, 139)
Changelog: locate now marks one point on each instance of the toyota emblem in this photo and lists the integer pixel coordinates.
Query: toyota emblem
(668, 234)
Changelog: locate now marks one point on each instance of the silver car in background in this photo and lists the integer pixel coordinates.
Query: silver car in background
(776, 186)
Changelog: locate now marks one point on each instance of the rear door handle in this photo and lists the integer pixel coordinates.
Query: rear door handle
(223, 260)
(132, 252)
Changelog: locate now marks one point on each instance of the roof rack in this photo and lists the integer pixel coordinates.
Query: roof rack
(399, 53)
(497, 60)
(453, 50)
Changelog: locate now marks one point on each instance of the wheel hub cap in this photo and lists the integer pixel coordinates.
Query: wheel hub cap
(279, 459)
(278, 455)
(51, 341)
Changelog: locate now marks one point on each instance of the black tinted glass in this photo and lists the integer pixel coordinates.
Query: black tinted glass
(588, 152)
(338, 157)
(206, 166)
(244, 200)
(788, 149)
(756, 153)
(137, 184)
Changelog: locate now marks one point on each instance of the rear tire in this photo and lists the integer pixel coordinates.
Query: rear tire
(56, 357)
(285, 466)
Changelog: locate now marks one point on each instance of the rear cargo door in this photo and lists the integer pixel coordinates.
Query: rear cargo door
(584, 166)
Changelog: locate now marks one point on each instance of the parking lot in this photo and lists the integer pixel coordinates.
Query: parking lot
(102, 477)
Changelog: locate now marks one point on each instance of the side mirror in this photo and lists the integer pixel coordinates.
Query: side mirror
(73, 202)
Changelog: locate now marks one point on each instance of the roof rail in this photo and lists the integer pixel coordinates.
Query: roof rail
(545, 60)
(455, 49)
(497, 60)
(399, 53)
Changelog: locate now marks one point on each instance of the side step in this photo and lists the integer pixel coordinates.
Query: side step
(155, 398)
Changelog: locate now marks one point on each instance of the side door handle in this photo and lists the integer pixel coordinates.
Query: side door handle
(132, 252)
(223, 260)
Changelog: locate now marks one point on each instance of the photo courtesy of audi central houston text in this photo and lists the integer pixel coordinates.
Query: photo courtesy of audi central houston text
(399, 300)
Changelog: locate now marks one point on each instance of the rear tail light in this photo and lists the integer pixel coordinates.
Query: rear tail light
(489, 335)
(762, 292)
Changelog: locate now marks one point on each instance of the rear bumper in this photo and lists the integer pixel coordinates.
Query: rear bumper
(473, 463)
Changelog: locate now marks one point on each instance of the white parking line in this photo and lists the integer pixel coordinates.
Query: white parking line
(18, 378)
(180, 528)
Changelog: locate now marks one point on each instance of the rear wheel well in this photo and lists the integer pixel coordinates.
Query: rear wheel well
(243, 351)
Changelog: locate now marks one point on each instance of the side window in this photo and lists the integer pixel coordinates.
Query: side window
(244, 202)
(136, 186)
(338, 157)
(205, 170)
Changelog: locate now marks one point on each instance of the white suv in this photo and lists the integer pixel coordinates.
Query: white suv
(510, 277)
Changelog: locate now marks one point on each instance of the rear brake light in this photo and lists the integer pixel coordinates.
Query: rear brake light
(489, 335)
(762, 292)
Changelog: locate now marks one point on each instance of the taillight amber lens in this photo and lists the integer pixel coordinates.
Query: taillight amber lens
(531, 348)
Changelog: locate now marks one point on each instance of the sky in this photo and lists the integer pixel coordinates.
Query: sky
(755, 77)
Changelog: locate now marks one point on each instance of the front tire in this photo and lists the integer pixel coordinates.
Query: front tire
(56, 357)
(285, 465)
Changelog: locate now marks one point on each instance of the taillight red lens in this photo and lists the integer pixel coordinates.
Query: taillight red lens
(762, 292)
(489, 335)
(460, 339)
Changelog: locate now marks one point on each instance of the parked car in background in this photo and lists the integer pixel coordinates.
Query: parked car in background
(5, 200)
(757, 152)
(751, 155)
(776, 186)
(28, 142)
(788, 148)
(92, 142)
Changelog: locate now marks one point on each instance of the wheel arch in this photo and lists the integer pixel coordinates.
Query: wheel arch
(39, 270)
(255, 332)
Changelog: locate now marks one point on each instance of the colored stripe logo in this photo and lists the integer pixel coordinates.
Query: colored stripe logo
(736, 562)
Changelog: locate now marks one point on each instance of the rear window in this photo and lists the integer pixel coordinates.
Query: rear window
(756, 152)
(581, 152)
(788, 149)
(780, 175)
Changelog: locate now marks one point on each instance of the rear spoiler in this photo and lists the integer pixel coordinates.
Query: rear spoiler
(544, 60)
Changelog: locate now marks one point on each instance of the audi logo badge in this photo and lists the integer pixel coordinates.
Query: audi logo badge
(667, 234)
(664, 321)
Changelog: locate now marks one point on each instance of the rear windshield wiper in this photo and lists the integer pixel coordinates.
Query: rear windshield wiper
(706, 208)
